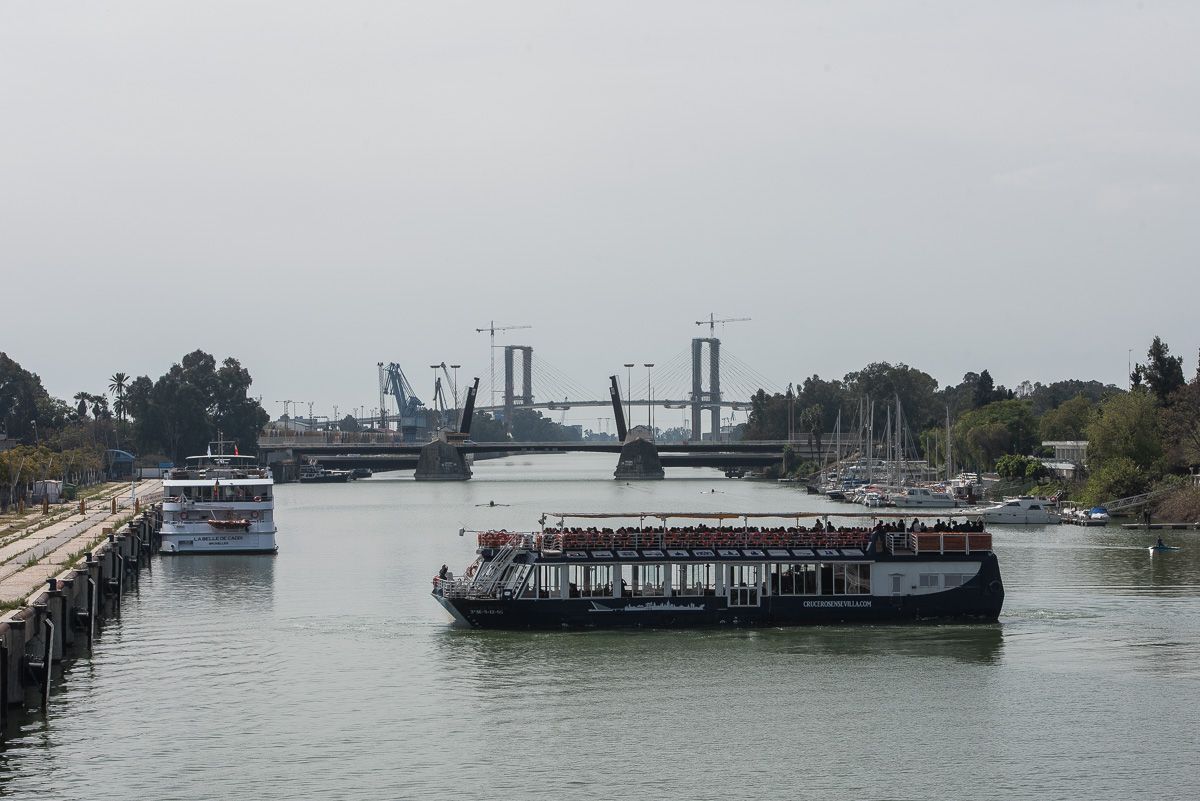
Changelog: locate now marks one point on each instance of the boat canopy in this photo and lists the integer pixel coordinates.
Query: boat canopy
(874, 513)
(224, 482)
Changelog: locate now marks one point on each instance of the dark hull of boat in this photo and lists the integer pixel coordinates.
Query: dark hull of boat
(339, 478)
(978, 601)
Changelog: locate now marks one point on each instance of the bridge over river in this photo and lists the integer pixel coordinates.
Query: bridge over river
(388, 451)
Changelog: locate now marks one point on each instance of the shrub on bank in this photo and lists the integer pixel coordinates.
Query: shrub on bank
(1181, 505)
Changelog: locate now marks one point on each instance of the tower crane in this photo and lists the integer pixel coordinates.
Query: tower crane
(492, 329)
(711, 322)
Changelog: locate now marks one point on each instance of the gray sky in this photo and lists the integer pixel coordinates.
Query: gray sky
(315, 187)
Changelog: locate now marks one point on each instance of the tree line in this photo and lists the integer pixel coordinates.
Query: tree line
(171, 417)
(1137, 436)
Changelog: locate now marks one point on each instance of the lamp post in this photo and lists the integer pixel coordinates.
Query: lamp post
(629, 392)
(649, 399)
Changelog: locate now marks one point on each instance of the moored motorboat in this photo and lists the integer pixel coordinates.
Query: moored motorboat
(922, 498)
(1025, 510)
(712, 574)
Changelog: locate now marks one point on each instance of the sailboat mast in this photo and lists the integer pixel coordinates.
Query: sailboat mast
(949, 459)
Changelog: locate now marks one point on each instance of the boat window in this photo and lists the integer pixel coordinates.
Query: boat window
(897, 583)
(1035, 506)
(794, 579)
(846, 579)
(953, 579)
(743, 576)
(929, 580)
(694, 579)
(547, 581)
(590, 581)
(639, 580)
(828, 585)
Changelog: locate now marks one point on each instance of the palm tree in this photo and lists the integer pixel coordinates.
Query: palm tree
(117, 386)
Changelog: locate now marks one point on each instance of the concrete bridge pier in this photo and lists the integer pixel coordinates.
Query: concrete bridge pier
(441, 461)
(639, 458)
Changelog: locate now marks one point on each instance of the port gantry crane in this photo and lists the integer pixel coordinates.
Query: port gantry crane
(491, 330)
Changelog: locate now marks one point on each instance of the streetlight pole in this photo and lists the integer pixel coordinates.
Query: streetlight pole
(629, 392)
(649, 399)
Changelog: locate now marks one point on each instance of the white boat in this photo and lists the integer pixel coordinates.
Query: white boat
(922, 498)
(1024, 510)
(219, 503)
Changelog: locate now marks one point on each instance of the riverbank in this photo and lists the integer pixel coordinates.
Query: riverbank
(59, 578)
(1181, 505)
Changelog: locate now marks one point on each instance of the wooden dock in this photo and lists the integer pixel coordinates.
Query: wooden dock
(1161, 526)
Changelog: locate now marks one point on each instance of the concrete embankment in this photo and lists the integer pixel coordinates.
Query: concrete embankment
(59, 620)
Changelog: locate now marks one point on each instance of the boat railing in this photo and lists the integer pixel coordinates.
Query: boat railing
(457, 587)
(941, 542)
(566, 539)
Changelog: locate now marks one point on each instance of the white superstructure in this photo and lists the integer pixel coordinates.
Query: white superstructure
(1021, 511)
(222, 503)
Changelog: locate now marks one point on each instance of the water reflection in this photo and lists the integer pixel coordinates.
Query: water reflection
(236, 580)
(513, 658)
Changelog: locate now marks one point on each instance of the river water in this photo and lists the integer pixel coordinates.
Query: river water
(328, 672)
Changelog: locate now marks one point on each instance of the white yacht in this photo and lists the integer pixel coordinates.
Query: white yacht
(923, 498)
(219, 503)
(1024, 510)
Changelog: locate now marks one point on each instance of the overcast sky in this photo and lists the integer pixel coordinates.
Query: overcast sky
(317, 187)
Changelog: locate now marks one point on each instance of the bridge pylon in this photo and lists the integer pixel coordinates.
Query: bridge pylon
(702, 398)
(510, 397)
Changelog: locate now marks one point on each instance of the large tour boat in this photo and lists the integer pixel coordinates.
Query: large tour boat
(219, 503)
(715, 572)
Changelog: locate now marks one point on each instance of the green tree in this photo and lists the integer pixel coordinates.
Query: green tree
(1118, 477)
(768, 416)
(1162, 372)
(1126, 426)
(486, 428)
(1181, 426)
(831, 396)
(1068, 422)
(25, 406)
(916, 389)
(984, 390)
(117, 386)
(1050, 396)
(529, 425)
(182, 411)
(348, 423)
(985, 434)
(1015, 467)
